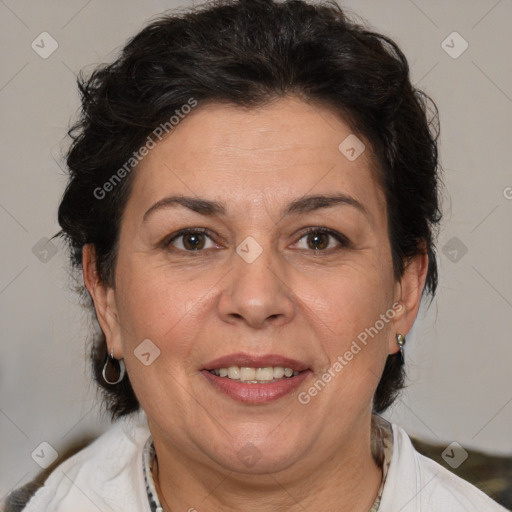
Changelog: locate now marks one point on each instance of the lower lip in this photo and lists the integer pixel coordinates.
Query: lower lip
(256, 393)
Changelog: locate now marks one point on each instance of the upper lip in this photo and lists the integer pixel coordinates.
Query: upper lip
(253, 361)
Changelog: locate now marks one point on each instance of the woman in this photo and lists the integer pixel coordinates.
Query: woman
(252, 201)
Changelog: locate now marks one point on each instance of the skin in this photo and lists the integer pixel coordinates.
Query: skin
(304, 303)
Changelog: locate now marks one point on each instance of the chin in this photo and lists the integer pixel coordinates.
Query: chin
(250, 460)
(258, 454)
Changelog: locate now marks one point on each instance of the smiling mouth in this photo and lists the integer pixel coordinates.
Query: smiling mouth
(256, 379)
(250, 375)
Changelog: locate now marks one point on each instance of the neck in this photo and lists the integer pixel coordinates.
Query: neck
(348, 481)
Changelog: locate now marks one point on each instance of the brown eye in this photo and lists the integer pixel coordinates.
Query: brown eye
(318, 241)
(322, 239)
(193, 241)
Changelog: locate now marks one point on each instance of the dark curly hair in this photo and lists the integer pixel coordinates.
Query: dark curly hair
(248, 53)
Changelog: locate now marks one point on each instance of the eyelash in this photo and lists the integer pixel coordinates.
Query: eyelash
(343, 241)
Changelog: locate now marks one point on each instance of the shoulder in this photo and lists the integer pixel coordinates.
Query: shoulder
(106, 475)
(417, 483)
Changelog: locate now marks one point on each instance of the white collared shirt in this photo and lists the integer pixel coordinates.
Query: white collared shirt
(108, 476)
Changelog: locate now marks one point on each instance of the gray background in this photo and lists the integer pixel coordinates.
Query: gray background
(459, 353)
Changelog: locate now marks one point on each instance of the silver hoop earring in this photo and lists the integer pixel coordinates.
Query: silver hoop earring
(113, 370)
(400, 339)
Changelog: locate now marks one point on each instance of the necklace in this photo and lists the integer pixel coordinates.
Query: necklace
(155, 474)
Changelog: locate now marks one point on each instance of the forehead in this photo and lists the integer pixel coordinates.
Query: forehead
(279, 151)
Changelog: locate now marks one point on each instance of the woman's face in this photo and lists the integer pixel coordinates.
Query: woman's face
(286, 263)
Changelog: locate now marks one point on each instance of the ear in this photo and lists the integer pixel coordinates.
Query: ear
(104, 299)
(408, 293)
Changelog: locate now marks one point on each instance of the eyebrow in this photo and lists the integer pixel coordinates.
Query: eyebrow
(302, 205)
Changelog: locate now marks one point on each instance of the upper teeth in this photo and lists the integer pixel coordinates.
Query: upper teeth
(255, 375)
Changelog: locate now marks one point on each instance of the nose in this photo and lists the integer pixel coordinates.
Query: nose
(256, 293)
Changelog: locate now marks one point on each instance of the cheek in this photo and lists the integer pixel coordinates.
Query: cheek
(176, 311)
(160, 304)
(345, 308)
(351, 296)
